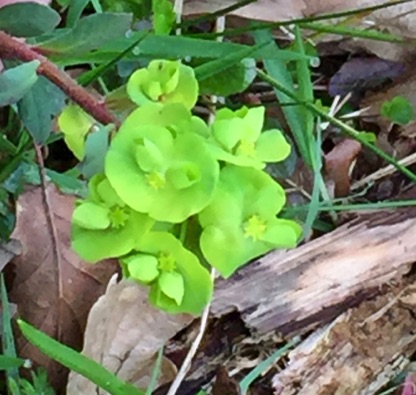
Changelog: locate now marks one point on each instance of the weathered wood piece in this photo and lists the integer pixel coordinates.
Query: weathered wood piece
(294, 291)
(363, 264)
(359, 352)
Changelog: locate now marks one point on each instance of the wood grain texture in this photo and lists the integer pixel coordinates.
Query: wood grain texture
(293, 291)
(359, 352)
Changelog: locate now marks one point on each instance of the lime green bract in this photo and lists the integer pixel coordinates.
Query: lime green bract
(164, 81)
(75, 124)
(178, 196)
(240, 223)
(169, 178)
(239, 140)
(103, 226)
(179, 284)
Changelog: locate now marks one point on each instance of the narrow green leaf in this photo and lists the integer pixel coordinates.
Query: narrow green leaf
(180, 46)
(305, 93)
(155, 373)
(278, 70)
(214, 15)
(7, 362)
(77, 362)
(273, 25)
(28, 19)
(92, 75)
(264, 365)
(348, 130)
(38, 107)
(164, 47)
(16, 82)
(9, 348)
(353, 32)
(90, 33)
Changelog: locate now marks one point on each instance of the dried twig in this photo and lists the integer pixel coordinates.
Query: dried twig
(194, 348)
(47, 206)
(13, 49)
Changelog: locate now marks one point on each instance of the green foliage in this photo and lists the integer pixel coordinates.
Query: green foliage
(89, 33)
(166, 169)
(163, 16)
(96, 145)
(233, 79)
(75, 124)
(103, 225)
(17, 81)
(238, 138)
(77, 362)
(28, 19)
(39, 106)
(398, 110)
(38, 386)
(178, 281)
(240, 223)
(10, 362)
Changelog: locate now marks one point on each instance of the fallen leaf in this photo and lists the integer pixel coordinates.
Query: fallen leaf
(8, 251)
(224, 384)
(397, 19)
(360, 74)
(338, 162)
(35, 286)
(124, 333)
(266, 10)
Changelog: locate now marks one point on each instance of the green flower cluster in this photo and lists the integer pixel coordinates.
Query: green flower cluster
(166, 168)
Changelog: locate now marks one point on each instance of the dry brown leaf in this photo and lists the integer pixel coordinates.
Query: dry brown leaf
(124, 332)
(224, 384)
(266, 10)
(398, 19)
(338, 163)
(36, 277)
(8, 251)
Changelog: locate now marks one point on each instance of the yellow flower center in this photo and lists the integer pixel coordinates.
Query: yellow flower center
(246, 148)
(118, 216)
(156, 180)
(254, 227)
(167, 263)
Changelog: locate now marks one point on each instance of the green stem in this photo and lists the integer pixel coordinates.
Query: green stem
(184, 228)
(354, 207)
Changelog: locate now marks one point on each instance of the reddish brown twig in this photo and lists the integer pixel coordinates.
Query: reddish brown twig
(13, 49)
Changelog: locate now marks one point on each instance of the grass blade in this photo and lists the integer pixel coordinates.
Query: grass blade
(354, 32)
(9, 348)
(262, 366)
(92, 75)
(77, 362)
(7, 363)
(273, 25)
(155, 373)
(293, 113)
(305, 93)
(348, 130)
